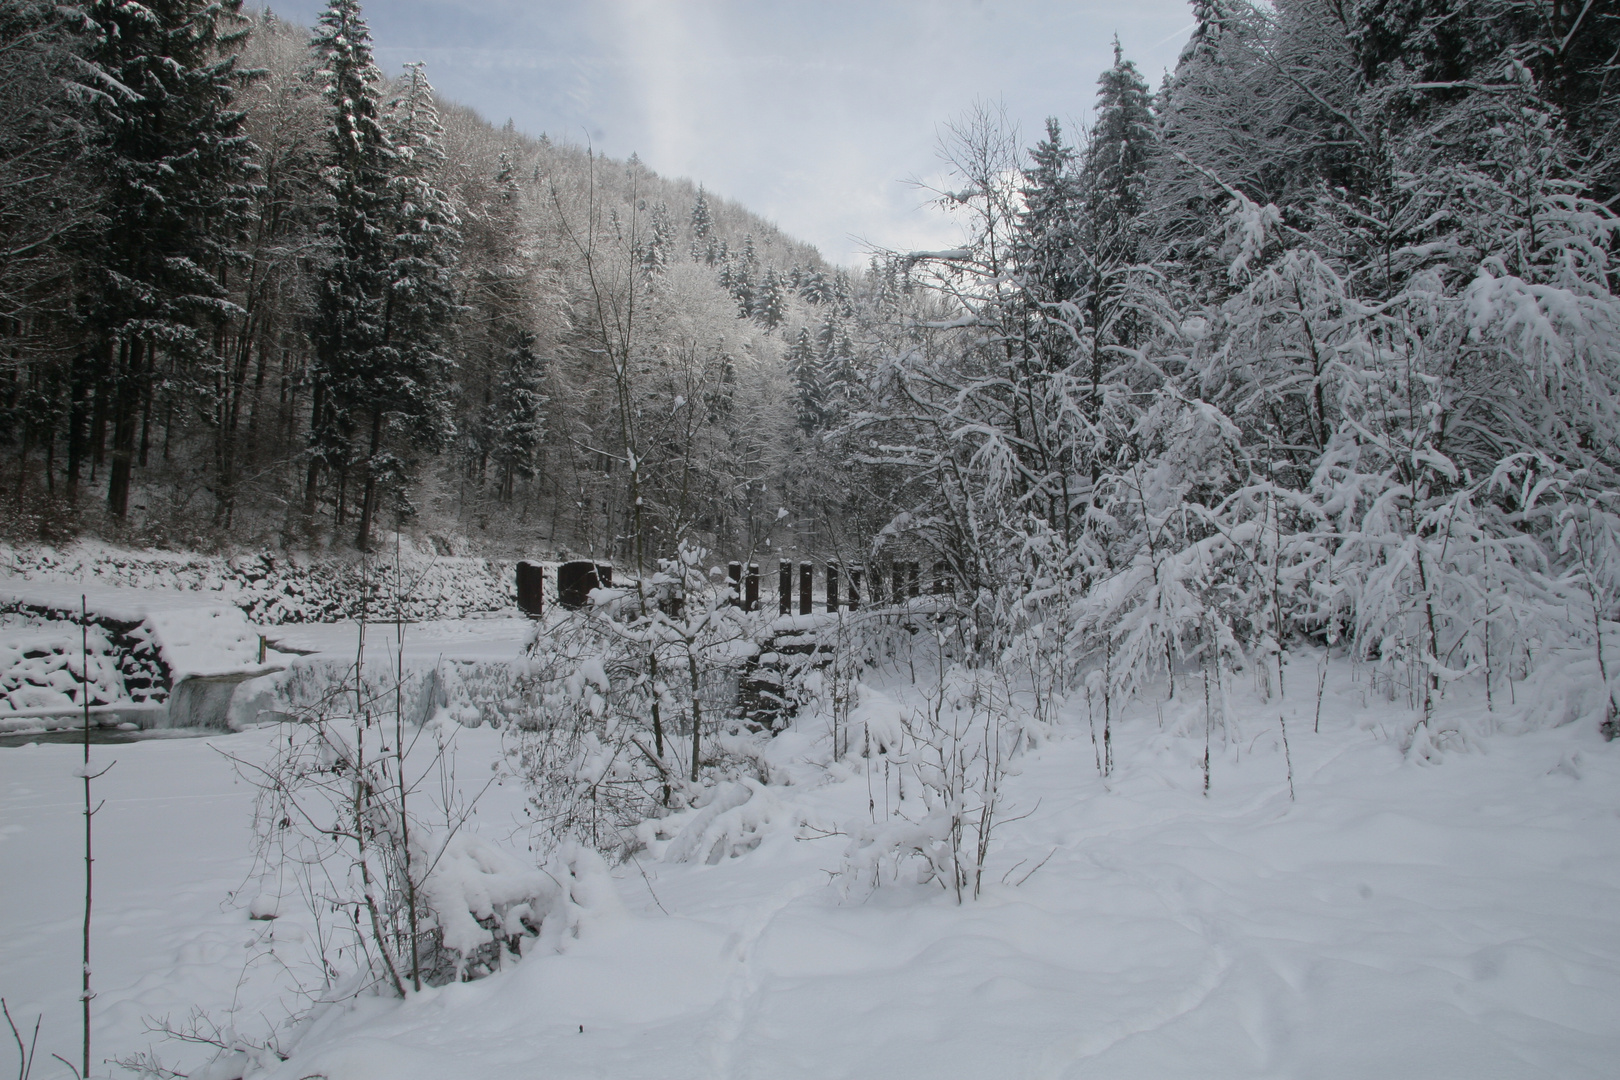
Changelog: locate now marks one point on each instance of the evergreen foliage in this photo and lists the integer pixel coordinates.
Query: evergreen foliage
(176, 169)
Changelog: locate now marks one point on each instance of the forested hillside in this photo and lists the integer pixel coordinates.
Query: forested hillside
(255, 293)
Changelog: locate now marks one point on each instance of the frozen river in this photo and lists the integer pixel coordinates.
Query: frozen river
(425, 642)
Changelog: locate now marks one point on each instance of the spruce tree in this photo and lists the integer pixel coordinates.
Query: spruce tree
(177, 170)
(804, 366)
(702, 230)
(387, 305)
(515, 416)
(407, 384)
(498, 368)
(350, 317)
(1112, 188)
(661, 237)
(1047, 246)
(815, 288)
(1118, 153)
(738, 278)
(770, 302)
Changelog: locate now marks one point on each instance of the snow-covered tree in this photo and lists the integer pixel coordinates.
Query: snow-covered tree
(177, 168)
(358, 231)
(388, 300)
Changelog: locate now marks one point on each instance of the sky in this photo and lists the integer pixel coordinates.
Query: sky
(820, 116)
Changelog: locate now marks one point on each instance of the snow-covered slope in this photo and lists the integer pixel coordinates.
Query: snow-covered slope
(1449, 916)
(194, 634)
(275, 590)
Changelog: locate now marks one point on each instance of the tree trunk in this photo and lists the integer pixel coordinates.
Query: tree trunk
(368, 502)
(98, 411)
(312, 480)
(123, 448)
(78, 425)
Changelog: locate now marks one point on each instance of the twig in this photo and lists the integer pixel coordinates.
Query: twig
(26, 1053)
(1038, 865)
(648, 882)
(663, 770)
(1321, 682)
(1287, 756)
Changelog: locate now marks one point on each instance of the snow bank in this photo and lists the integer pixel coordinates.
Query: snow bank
(730, 822)
(485, 899)
(277, 589)
(193, 635)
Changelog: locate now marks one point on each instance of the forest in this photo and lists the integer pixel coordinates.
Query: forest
(238, 314)
(1313, 341)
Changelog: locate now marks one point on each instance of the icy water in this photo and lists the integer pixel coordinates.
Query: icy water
(102, 736)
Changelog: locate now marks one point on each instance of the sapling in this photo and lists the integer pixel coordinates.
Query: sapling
(85, 993)
(1206, 728)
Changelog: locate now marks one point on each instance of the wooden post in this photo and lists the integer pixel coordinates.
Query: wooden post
(751, 588)
(915, 573)
(576, 579)
(734, 574)
(832, 586)
(877, 584)
(854, 587)
(784, 587)
(806, 587)
(530, 587)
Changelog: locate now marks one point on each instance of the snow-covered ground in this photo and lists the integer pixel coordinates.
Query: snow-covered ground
(1457, 918)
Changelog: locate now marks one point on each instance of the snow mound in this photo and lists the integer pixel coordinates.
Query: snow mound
(731, 822)
(483, 896)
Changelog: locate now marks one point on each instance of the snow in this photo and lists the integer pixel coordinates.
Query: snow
(273, 589)
(426, 642)
(1455, 914)
(193, 635)
(42, 670)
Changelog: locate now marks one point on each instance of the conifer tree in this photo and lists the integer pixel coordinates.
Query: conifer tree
(499, 374)
(770, 302)
(804, 366)
(515, 416)
(702, 230)
(386, 308)
(815, 288)
(1112, 186)
(350, 325)
(661, 237)
(1118, 153)
(1050, 223)
(738, 278)
(407, 382)
(176, 173)
(46, 216)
